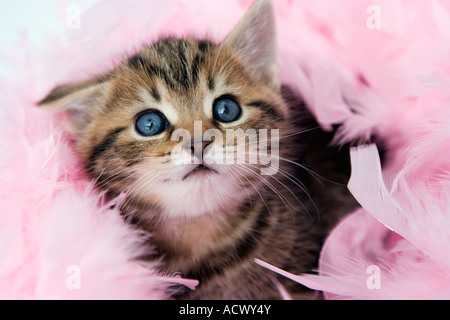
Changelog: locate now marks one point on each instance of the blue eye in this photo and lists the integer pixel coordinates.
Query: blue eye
(151, 123)
(226, 110)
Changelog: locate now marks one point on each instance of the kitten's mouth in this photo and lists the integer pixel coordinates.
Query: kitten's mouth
(201, 169)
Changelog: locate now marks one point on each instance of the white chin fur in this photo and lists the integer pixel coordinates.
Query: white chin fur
(198, 195)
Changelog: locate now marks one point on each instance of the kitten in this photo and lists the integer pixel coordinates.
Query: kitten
(208, 219)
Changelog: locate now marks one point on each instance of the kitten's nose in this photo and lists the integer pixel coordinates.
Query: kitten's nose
(198, 148)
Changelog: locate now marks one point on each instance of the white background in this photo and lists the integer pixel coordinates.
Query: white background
(37, 19)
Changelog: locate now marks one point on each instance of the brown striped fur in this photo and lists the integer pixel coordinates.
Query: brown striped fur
(213, 228)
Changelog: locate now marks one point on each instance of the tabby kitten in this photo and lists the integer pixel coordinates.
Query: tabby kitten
(210, 220)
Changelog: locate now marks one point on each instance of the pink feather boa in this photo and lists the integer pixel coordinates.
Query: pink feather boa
(392, 82)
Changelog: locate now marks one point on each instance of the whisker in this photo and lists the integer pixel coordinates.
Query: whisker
(284, 185)
(291, 135)
(315, 175)
(268, 184)
(236, 174)
(259, 193)
(135, 190)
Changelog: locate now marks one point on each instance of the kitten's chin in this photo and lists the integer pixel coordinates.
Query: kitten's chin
(201, 192)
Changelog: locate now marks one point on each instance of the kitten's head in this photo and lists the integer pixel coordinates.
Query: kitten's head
(158, 126)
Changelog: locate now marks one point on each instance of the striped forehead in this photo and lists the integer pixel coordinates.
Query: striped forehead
(182, 79)
(179, 84)
(175, 63)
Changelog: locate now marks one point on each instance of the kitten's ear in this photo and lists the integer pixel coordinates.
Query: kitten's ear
(75, 100)
(255, 40)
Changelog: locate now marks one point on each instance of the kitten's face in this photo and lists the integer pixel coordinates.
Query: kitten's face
(158, 127)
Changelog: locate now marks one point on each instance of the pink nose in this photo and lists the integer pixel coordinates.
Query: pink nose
(198, 148)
